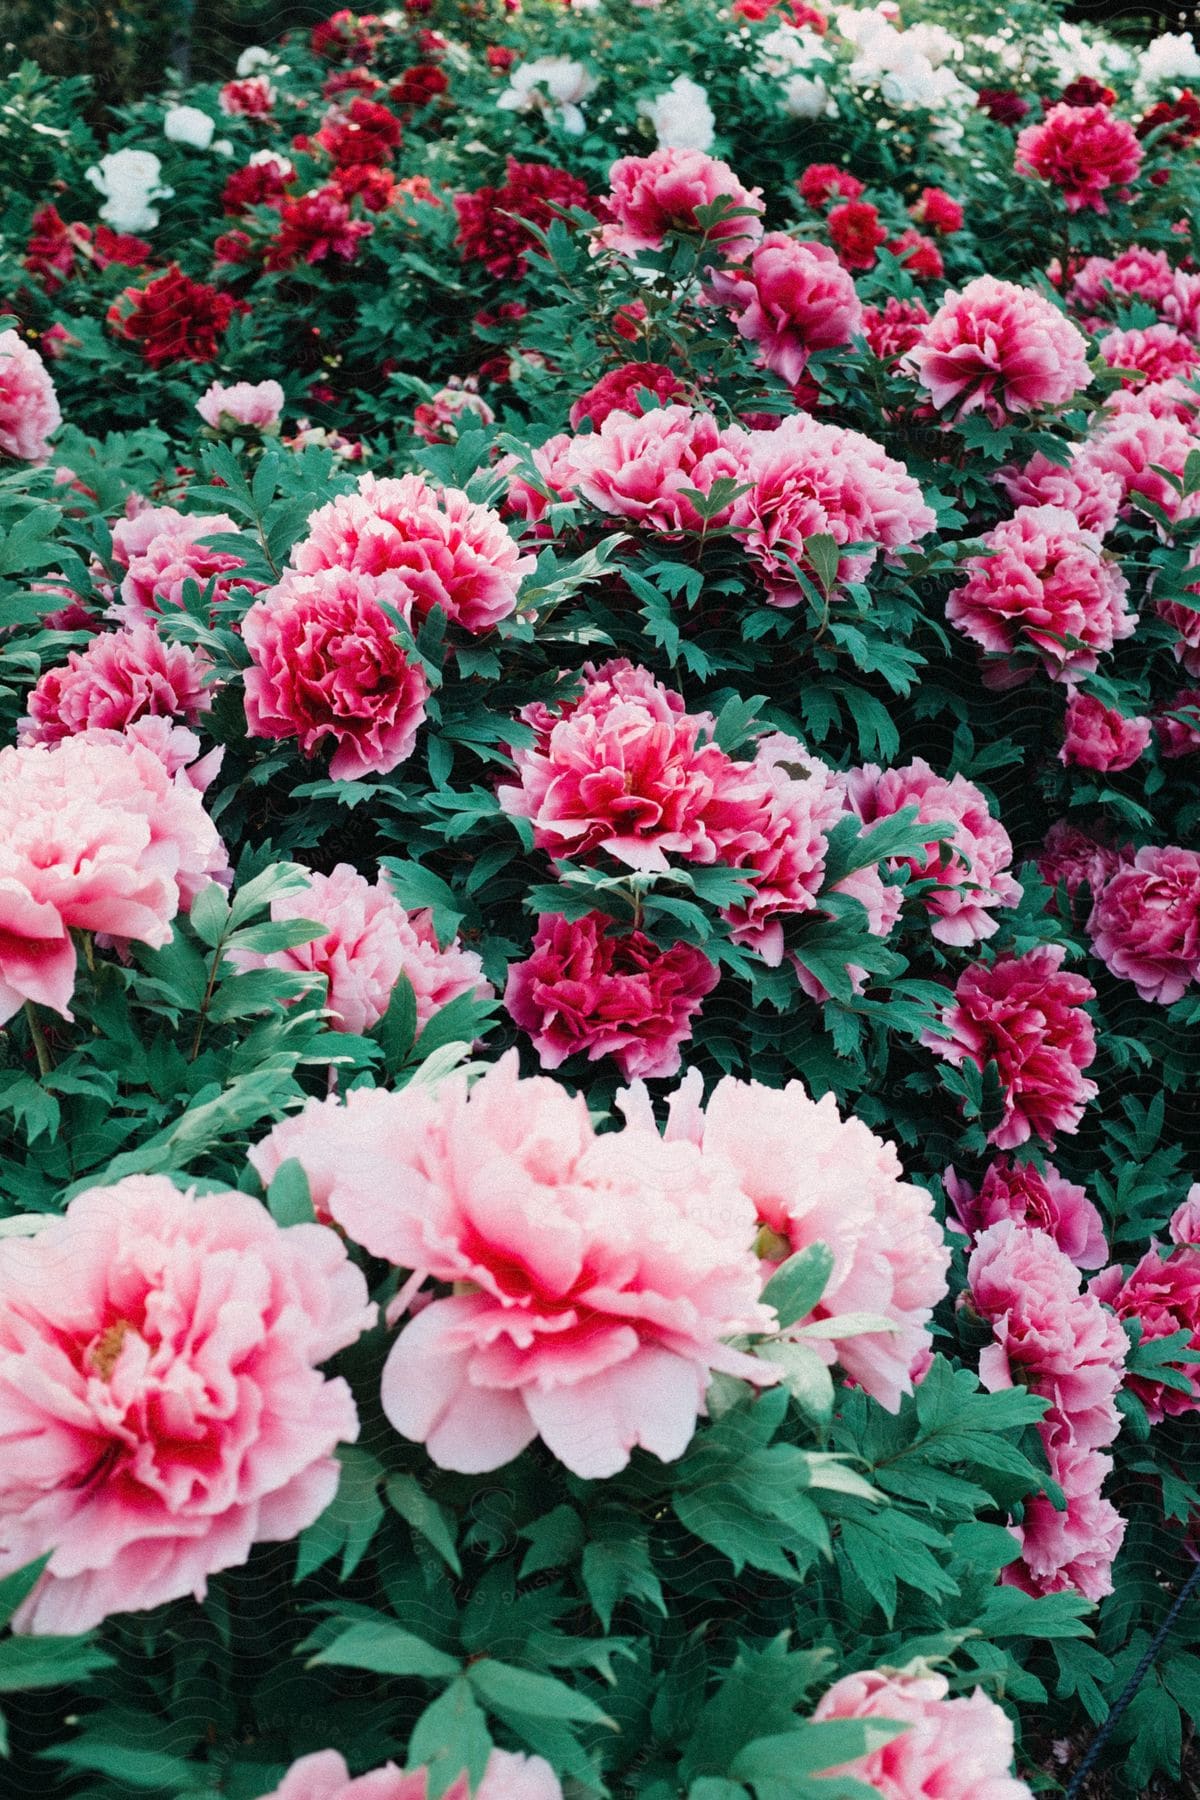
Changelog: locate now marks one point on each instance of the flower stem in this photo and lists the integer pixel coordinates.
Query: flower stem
(45, 1061)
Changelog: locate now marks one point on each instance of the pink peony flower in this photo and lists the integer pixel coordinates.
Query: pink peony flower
(1084, 150)
(1092, 494)
(162, 555)
(29, 410)
(790, 299)
(638, 466)
(1135, 447)
(1153, 352)
(508, 1776)
(120, 677)
(939, 210)
(652, 195)
(554, 463)
(98, 837)
(256, 404)
(808, 478)
(1098, 737)
(177, 749)
(587, 988)
(1057, 1341)
(1043, 584)
(821, 182)
(1184, 1226)
(1163, 1294)
(1145, 923)
(971, 868)
(815, 1177)
(894, 328)
(1026, 1014)
(1074, 1549)
(438, 420)
(325, 663)
(618, 392)
(250, 98)
(1136, 274)
(1177, 727)
(1040, 1198)
(999, 349)
(428, 547)
(162, 1407)
(596, 1277)
(624, 769)
(959, 1749)
(857, 232)
(1070, 856)
(370, 942)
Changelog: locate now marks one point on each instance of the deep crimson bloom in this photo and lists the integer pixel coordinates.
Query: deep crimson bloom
(374, 188)
(937, 209)
(349, 81)
(173, 318)
(501, 56)
(919, 255)
(364, 132)
(857, 233)
(251, 98)
(1004, 105)
(1183, 113)
(1025, 1013)
(588, 988)
(1084, 150)
(1145, 923)
(418, 86)
(54, 246)
(618, 392)
(1071, 857)
(532, 192)
(821, 181)
(1163, 1294)
(627, 320)
(346, 35)
(260, 183)
(894, 328)
(233, 249)
(314, 227)
(1085, 90)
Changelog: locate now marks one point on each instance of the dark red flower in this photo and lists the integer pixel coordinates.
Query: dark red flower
(1004, 105)
(418, 86)
(919, 255)
(618, 392)
(821, 181)
(173, 318)
(1085, 90)
(1183, 113)
(856, 233)
(364, 133)
(375, 188)
(258, 184)
(500, 56)
(344, 35)
(492, 222)
(350, 81)
(314, 227)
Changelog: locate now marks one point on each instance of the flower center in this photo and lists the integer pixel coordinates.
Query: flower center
(107, 1348)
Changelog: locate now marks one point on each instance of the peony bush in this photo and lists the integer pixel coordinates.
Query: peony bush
(600, 911)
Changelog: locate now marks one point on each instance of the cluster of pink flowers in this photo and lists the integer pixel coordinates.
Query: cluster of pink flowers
(971, 868)
(1092, 494)
(1151, 353)
(1071, 857)
(161, 549)
(29, 410)
(790, 298)
(369, 942)
(325, 1776)
(121, 677)
(1045, 584)
(597, 1277)
(1040, 1198)
(588, 988)
(163, 1408)
(1060, 1343)
(999, 349)
(650, 196)
(1145, 922)
(96, 835)
(951, 1749)
(1083, 151)
(1025, 1013)
(640, 466)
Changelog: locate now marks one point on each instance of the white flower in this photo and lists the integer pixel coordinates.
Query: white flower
(255, 58)
(129, 181)
(553, 85)
(263, 157)
(785, 52)
(1169, 61)
(681, 117)
(934, 42)
(807, 97)
(188, 125)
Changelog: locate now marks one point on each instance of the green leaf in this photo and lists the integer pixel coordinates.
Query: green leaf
(805, 1376)
(396, 1032)
(288, 1198)
(416, 887)
(41, 1662)
(423, 1514)
(349, 1522)
(19, 1585)
(823, 556)
(451, 1735)
(388, 1650)
(129, 1766)
(797, 1284)
(509, 1689)
(619, 1568)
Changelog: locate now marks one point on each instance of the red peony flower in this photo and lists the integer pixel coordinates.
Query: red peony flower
(418, 86)
(1178, 725)
(345, 35)
(1085, 90)
(1084, 150)
(315, 227)
(263, 182)
(895, 328)
(618, 392)
(856, 233)
(589, 989)
(919, 255)
(821, 181)
(1025, 1014)
(251, 98)
(364, 132)
(937, 209)
(532, 191)
(1183, 114)
(173, 318)
(1004, 105)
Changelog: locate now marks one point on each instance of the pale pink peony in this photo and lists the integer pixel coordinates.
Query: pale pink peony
(1170, 398)
(96, 837)
(29, 410)
(815, 1177)
(1071, 856)
(253, 403)
(1026, 1014)
(1001, 349)
(637, 466)
(972, 867)
(590, 989)
(1075, 1549)
(120, 677)
(326, 664)
(1083, 150)
(1181, 306)
(439, 419)
(325, 1776)
(1184, 1226)
(1145, 923)
(1136, 274)
(959, 1749)
(1041, 1198)
(177, 749)
(652, 195)
(623, 770)
(1163, 1294)
(160, 1400)
(808, 478)
(1043, 584)
(154, 580)
(1057, 1341)
(1152, 353)
(1092, 494)
(1184, 619)
(790, 299)
(1135, 447)
(427, 546)
(554, 463)
(133, 535)
(1099, 737)
(597, 1277)
(369, 943)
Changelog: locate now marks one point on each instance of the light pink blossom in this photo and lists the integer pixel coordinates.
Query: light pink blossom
(29, 409)
(1145, 922)
(1000, 349)
(257, 404)
(960, 1749)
